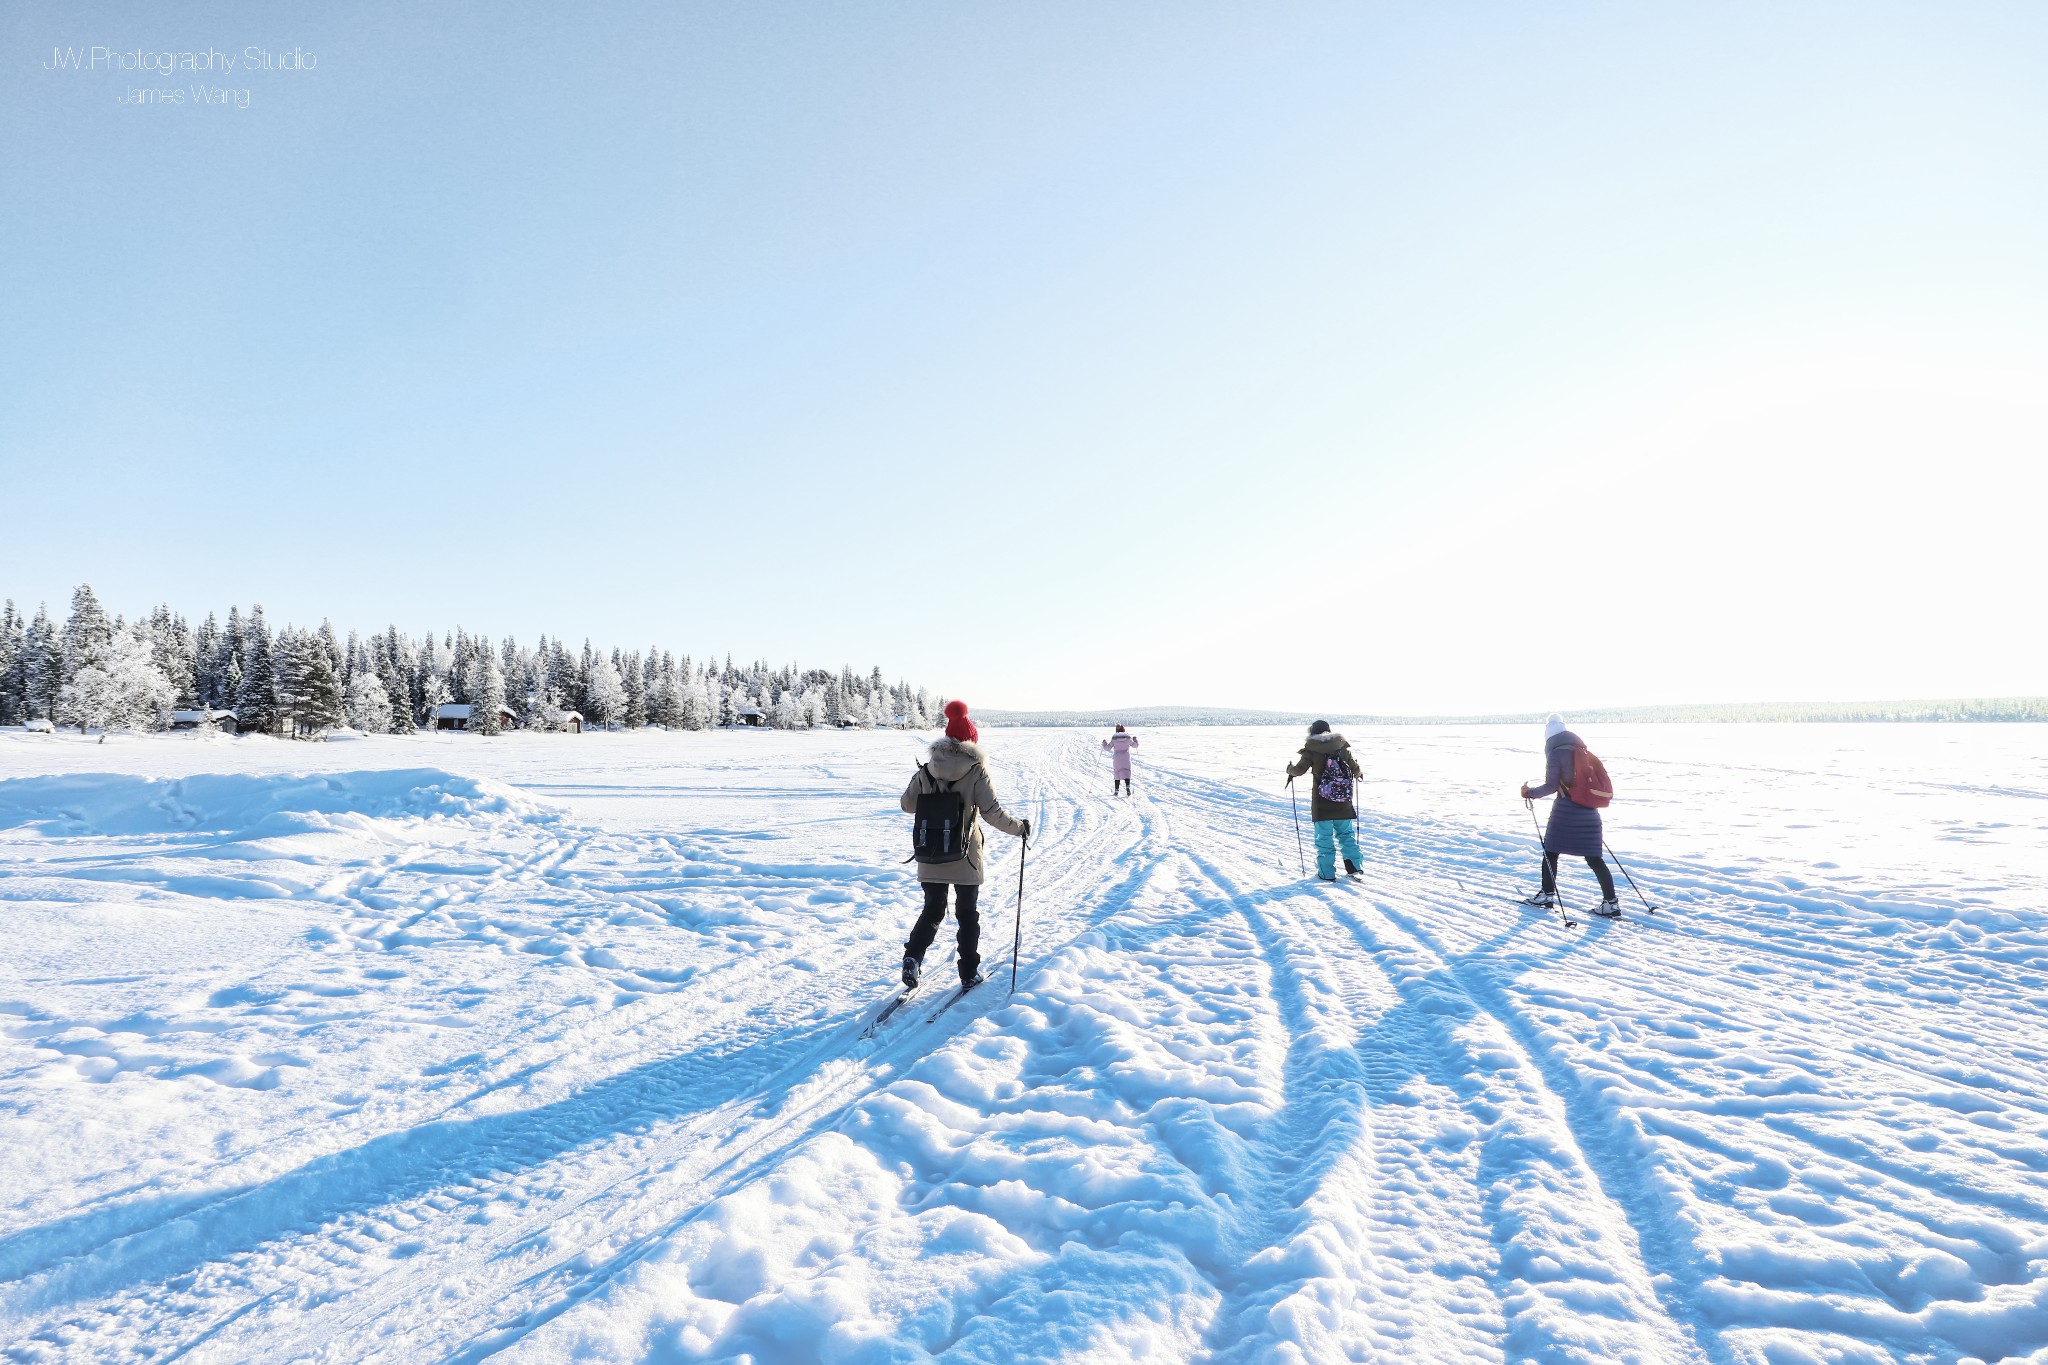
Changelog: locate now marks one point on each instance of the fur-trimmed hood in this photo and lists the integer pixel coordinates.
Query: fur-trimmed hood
(958, 764)
(1328, 742)
(952, 759)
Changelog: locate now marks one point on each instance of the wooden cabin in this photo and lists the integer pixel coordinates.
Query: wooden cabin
(455, 715)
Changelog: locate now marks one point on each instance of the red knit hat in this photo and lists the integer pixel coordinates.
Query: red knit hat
(957, 724)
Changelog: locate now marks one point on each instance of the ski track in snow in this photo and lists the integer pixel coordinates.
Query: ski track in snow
(552, 1052)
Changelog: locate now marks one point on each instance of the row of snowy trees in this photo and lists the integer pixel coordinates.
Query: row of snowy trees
(104, 673)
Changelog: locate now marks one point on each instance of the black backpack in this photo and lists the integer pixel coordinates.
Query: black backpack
(938, 831)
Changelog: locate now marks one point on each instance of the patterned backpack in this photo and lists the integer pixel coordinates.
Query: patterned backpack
(1334, 785)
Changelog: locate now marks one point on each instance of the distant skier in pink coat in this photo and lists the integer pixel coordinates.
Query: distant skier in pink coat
(1120, 744)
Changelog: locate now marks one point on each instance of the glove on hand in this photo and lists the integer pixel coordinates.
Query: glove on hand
(1027, 831)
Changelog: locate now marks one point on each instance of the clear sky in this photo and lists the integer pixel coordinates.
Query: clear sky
(1347, 356)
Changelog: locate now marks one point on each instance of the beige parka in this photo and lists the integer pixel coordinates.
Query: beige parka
(958, 765)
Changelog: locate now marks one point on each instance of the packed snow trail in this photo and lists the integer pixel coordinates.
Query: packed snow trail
(557, 1054)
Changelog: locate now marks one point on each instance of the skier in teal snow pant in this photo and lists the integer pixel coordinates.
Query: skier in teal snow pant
(1327, 759)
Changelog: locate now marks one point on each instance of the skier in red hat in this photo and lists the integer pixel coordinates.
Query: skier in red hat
(952, 857)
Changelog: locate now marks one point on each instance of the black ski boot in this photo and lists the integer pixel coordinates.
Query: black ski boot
(1351, 869)
(911, 967)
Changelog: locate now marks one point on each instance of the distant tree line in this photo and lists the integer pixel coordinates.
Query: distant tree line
(1954, 709)
(102, 673)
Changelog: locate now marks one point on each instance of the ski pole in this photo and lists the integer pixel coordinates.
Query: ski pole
(1295, 797)
(1544, 853)
(1017, 944)
(1631, 880)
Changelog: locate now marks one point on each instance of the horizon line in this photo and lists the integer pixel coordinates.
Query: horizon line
(2016, 706)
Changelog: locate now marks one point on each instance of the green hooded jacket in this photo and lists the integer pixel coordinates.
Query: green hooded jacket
(1320, 748)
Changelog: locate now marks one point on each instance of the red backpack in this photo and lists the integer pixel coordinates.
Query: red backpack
(1589, 784)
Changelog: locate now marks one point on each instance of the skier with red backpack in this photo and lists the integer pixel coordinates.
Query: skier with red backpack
(1328, 756)
(1580, 783)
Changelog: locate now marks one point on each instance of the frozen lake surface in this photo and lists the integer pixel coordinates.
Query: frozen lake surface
(548, 1048)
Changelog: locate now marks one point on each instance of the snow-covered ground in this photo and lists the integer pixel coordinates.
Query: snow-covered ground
(548, 1048)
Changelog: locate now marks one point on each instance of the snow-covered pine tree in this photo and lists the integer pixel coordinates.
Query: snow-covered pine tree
(13, 675)
(42, 665)
(576, 687)
(462, 674)
(366, 703)
(206, 663)
(391, 676)
(120, 688)
(437, 663)
(664, 702)
(788, 711)
(489, 697)
(288, 659)
(693, 711)
(679, 693)
(256, 697)
(353, 657)
(337, 660)
(176, 653)
(711, 693)
(320, 692)
(436, 694)
(631, 674)
(86, 632)
(235, 664)
(607, 703)
(401, 680)
(528, 688)
(557, 671)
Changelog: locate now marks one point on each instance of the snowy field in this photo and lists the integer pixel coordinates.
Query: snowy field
(548, 1048)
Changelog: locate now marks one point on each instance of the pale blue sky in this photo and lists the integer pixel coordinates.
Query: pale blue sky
(1060, 354)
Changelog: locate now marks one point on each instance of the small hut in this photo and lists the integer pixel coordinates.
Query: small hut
(223, 721)
(572, 721)
(455, 715)
(750, 715)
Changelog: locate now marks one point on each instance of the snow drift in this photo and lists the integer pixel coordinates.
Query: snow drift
(249, 804)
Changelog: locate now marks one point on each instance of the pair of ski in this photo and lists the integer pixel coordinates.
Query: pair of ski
(953, 998)
(1531, 903)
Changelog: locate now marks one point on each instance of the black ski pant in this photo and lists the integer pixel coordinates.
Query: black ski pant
(1593, 860)
(1120, 783)
(927, 927)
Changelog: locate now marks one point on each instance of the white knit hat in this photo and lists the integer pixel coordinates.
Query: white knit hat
(1553, 727)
